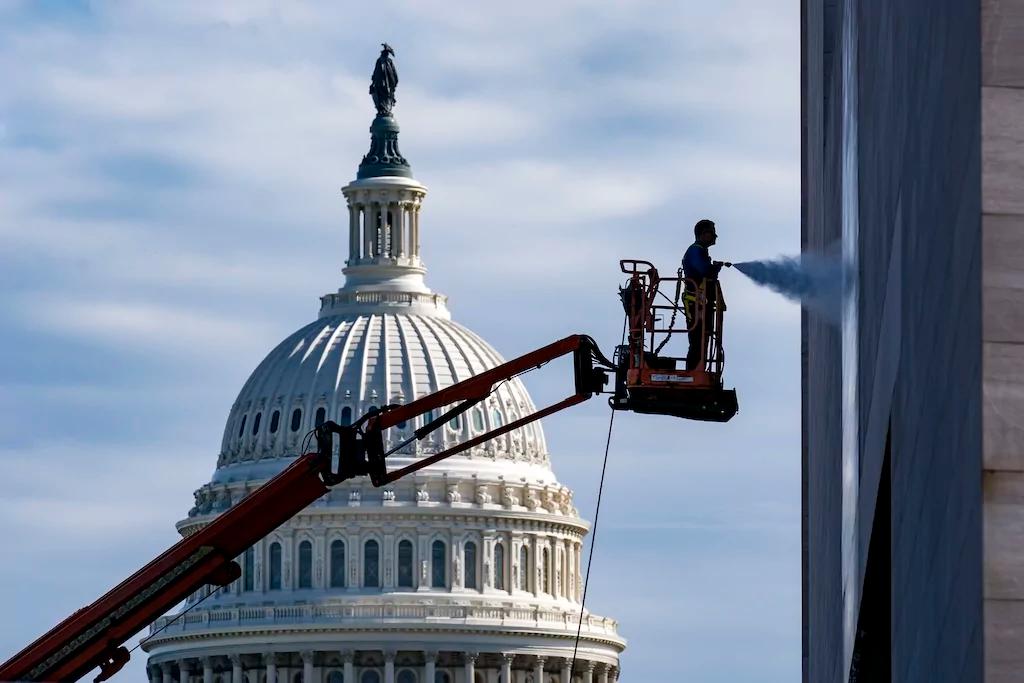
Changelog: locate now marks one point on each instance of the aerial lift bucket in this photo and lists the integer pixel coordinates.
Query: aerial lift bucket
(652, 382)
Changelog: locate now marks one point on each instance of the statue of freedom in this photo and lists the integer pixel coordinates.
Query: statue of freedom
(384, 81)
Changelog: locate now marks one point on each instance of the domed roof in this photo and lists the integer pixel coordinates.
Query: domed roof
(340, 366)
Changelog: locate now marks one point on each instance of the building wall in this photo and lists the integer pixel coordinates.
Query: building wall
(1002, 97)
(892, 171)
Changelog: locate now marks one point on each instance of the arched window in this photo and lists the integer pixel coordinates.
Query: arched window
(455, 423)
(275, 421)
(241, 427)
(338, 564)
(371, 564)
(346, 416)
(545, 557)
(370, 676)
(496, 418)
(274, 578)
(406, 676)
(296, 419)
(248, 569)
(524, 568)
(321, 416)
(438, 558)
(405, 564)
(470, 559)
(499, 566)
(256, 424)
(335, 677)
(297, 678)
(305, 565)
(442, 677)
(478, 419)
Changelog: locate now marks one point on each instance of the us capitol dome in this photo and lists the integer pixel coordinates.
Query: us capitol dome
(468, 571)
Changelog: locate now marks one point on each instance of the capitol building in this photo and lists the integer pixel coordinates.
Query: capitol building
(468, 571)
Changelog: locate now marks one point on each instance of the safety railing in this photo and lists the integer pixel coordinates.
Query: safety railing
(360, 615)
(693, 306)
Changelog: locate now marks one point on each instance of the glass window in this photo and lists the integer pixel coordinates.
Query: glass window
(370, 676)
(248, 569)
(297, 678)
(346, 416)
(335, 677)
(524, 568)
(405, 564)
(438, 557)
(499, 566)
(296, 419)
(256, 423)
(321, 416)
(275, 567)
(470, 559)
(546, 569)
(455, 423)
(305, 565)
(478, 419)
(496, 418)
(371, 564)
(406, 676)
(337, 564)
(442, 677)
(275, 421)
(241, 427)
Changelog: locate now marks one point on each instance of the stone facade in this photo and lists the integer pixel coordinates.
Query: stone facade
(913, 162)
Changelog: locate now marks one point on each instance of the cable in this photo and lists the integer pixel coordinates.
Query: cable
(177, 616)
(593, 542)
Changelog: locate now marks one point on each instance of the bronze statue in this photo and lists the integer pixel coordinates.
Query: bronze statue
(384, 81)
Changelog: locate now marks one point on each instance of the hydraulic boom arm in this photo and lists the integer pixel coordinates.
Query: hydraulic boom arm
(94, 636)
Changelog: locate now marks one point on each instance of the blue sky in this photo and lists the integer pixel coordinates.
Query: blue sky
(169, 211)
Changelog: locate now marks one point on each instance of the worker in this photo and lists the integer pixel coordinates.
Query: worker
(700, 270)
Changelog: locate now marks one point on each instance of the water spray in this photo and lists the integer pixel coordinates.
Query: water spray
(812, 280)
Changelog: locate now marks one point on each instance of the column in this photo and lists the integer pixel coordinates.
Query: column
(535, 566)
(389, 666)
(415, 216)
(399, 247)
(538, 669)
(470, 666)
(166, 672)
(396, 229)
(270, 661)
(207, 670)
(506, 667)
(368, 223)
(588, 672)
(307, 666)
(183, 671)
(602, 676)
(430, 667)
(349, 669)
(353, 233)
(236, 668)
(566, 676)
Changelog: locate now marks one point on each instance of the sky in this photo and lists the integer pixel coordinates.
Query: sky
(170, 210)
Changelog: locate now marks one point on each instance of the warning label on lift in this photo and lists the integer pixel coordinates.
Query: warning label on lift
(672, 378)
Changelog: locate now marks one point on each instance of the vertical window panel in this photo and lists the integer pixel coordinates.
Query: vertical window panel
(338, 564)
(371, 564)
(470, 560)
(405, 573)
(305, 565)
(274, 576)
(499, 566)
(438, 562)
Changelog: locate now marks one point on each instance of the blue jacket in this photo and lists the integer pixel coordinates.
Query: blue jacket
(697, 263)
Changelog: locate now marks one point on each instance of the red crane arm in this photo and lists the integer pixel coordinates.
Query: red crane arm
(93, 636)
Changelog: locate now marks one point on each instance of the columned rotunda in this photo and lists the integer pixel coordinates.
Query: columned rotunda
(466, 572)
